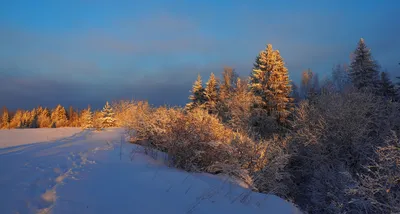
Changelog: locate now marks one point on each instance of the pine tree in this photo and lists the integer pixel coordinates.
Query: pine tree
(270, 81)
(387, 88)
(197, 98)
(33, 120)
(26, 119)
(364, 72)
(87, 119)
(16, 121)
(211, 94)
(44, 120)
(227, 85)
(98, 117)
(5, 120)
(59, 116)
(108, 119)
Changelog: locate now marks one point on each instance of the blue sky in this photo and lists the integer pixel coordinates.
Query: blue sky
(86, 52)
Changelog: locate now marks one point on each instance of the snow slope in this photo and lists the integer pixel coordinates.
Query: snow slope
(98, 172)
(16, 137)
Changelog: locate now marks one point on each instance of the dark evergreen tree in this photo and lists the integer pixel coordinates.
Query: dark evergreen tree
(364, 71)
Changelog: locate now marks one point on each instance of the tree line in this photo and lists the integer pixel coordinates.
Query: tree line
(42, 117)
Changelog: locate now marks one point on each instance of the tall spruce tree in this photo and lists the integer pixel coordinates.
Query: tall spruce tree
(59, 116)
(16, 121)
(86, 119)
(44, 119)
(5, 119)
(211, 94)
(197, 97)
(364, 71)
(108, 119)
(270, 82)
(387, 88)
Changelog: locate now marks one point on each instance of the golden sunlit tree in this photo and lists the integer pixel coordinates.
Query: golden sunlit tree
(5, 119)
(59, 117)
(270, 82)
(211, 94)
(197, 97)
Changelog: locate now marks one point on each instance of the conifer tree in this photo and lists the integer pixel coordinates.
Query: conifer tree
(211, 94)
(44, 120)
(197, 98)
(16, 121)
(98, 117)
(26, 119)
(387, 88)
(87, 119)
(227, 85)
(270, 81)
(33, 120)
(59, 116)
(364, 72)
(108, 119)
(5, 119)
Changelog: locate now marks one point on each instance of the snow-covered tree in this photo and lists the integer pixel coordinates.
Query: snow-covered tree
(73, 117)
(98, 117)
(5, 119)
(340, 77)
(86, 119)
(108, 119)
(227, 85)
(59, 116)
(33, 120)
(16, 121)
(211, 94)
(197, 98)
(387, 88)
(44, 119)
(270, 82)
(364, 71)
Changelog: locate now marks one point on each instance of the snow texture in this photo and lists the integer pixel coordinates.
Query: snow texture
(99, 172)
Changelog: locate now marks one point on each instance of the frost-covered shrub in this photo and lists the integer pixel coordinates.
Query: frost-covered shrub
(336, 141)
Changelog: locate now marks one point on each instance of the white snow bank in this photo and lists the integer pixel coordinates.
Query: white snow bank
(98, 172)
(17, 137)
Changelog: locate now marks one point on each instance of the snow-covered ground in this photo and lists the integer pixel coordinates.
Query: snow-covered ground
(98, 172)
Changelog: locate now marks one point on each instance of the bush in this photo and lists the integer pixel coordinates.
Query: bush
(335, 142)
